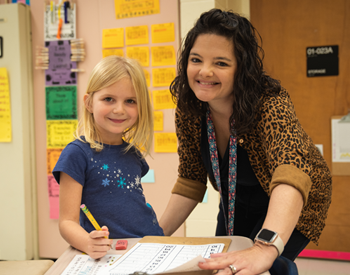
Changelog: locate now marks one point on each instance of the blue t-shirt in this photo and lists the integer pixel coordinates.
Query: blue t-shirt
(112, 189)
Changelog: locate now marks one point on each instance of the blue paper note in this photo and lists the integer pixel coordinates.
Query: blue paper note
(149, 177)
(205, 199)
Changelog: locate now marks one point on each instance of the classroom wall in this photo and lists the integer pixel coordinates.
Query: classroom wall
(17, 182)
(92, 17)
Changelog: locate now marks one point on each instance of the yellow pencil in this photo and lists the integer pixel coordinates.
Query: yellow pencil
(90, 217)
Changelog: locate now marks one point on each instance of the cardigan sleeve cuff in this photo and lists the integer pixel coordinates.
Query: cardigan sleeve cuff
(191, 189)
(291, 175)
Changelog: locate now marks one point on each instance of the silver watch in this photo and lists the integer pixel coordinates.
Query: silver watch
(269, 237)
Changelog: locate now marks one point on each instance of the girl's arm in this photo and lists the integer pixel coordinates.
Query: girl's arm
(94, 244)
(284, 209)
(177, 211)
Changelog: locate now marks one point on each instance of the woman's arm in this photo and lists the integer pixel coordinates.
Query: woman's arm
(284, 209)
(285, 206)
(95, 244)
(177, 211)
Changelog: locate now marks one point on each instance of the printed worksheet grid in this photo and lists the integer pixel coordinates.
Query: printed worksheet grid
(155, 258)
(142, 257)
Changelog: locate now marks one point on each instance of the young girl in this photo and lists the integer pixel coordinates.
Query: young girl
(103, 167)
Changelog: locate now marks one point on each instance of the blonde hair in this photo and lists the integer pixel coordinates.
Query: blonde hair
(108, 71)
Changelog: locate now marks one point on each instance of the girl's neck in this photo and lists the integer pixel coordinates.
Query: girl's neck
(113, 141)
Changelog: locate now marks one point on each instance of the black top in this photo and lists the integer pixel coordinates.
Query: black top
(251, 200)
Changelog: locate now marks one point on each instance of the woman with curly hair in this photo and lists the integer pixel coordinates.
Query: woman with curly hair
(237, 126)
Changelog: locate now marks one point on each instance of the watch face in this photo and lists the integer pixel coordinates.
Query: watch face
(266, 235)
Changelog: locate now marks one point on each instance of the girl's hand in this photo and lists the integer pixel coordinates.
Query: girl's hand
(254, 260)
(98, 243)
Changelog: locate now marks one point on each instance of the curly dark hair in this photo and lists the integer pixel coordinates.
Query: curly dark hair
(250, 79)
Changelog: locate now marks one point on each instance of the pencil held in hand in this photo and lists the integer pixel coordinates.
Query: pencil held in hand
(90, 217)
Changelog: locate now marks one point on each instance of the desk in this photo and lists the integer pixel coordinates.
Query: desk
(237, 243)
(29, 267)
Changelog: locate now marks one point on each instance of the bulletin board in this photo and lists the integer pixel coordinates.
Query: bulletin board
(96, 22)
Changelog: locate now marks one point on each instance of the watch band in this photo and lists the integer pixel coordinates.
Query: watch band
(276, 242)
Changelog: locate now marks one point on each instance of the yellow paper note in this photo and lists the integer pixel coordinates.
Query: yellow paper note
(136, 35)
(60, 132)
(162, 77)
(108, 52)
(5, 108)
(162, 99)
(148, 78)
(141, 54)
(163, 56)
(162, 33)
(113, 38)
(165, 143)
(134, 8)
(158, 121)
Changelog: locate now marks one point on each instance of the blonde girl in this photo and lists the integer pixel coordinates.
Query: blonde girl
(107, 72)
(102, 168)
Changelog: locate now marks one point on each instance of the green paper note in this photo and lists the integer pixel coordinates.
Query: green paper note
(61, 102)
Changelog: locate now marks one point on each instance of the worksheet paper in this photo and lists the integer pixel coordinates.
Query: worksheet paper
(151, 258)
(85, 265)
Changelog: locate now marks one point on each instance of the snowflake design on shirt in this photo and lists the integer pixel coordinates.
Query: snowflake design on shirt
(105, 166)
(137, 180)
(105, 182)
(122, 182)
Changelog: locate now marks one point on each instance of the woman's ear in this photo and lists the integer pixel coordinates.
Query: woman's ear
(88, 102)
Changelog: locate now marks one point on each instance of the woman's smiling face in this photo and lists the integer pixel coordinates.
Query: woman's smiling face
(211, 68)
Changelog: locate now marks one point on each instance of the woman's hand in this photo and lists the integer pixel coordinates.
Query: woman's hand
(283, 212)
(98, 243)
(254, 260)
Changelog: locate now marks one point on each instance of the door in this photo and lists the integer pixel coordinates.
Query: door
(288, 27)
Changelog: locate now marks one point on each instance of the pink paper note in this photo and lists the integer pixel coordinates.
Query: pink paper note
(53, 189)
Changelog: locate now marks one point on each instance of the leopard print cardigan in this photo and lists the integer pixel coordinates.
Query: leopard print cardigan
(279, 151)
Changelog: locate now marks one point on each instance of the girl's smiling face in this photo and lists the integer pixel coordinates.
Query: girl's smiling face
(211, 68)
(114, 109)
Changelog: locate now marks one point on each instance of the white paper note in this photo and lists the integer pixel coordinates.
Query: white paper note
(340, 141)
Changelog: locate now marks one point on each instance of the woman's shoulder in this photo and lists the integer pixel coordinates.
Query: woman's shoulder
(187, 122)
(279, 96)
(277, 102)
